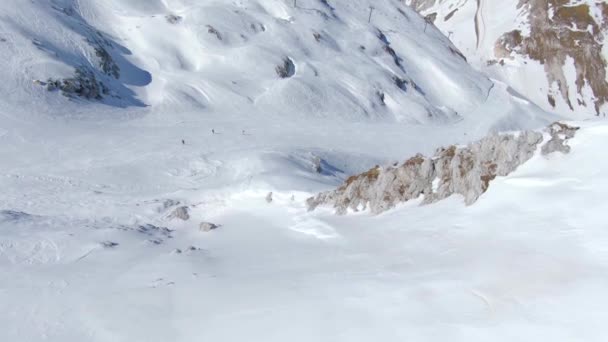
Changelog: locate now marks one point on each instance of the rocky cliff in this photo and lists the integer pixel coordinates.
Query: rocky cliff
(466, 171)
(515, 40)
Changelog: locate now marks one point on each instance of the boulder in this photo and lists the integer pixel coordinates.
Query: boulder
(560, 134)
(181, 213)
(207, 226)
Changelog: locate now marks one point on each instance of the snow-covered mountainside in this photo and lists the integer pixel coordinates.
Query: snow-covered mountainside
(553, 51)
(248, 58)
(156, 157)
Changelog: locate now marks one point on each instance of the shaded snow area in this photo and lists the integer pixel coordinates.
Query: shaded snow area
(156, 157)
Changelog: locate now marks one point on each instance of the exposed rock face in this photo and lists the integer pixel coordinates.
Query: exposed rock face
(173, 19)
(287, 69)
(166, 204)
(93, 77)
(213, 31)
(560, 30)
(106, 62)
(153, 231)
(560, 134)
(566, 37)
(84, 84)
(207, 226)
(466, 171)
(422, 5)
(269, 197)
(181, 213)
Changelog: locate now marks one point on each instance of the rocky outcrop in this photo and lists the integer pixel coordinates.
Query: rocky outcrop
(422, 5)
(212, 30)
(101, 45)
(181, 213)
(86, 82)
(173, 19)
(561, 30)
(208, 226)
(566, 37)
(83, 84)
(287, 69)
(560, 134)
(97, 67)
(465, 170)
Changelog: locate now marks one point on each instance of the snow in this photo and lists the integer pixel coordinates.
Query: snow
(88, 250)
(527, 261)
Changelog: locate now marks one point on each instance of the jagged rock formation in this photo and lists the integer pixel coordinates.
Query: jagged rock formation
(84, 84)
(570, 32)
(208, 226)
(100, 70)
(106, 63)
(565, 37)
(560, 134)
(466, 171)
(181, 213)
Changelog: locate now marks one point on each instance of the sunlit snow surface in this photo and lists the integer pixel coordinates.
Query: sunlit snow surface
(88, 251)
(527, 261)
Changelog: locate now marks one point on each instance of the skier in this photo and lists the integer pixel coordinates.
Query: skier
(212, 131)
(183, 142)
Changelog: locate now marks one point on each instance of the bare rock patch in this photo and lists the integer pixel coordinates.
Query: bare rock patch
(463, 170)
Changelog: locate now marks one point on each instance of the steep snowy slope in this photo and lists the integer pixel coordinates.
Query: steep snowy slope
(248, 58)
(357, 94)
(553, 51)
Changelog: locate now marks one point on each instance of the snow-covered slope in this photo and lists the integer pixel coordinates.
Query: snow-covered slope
(553, 51)
(178, 70)
(221, 57)
(206, 107)
(528, 261)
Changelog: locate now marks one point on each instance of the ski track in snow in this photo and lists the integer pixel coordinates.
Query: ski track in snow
(480, 24)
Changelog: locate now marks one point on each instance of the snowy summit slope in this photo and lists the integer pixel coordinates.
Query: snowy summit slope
(126, 126)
